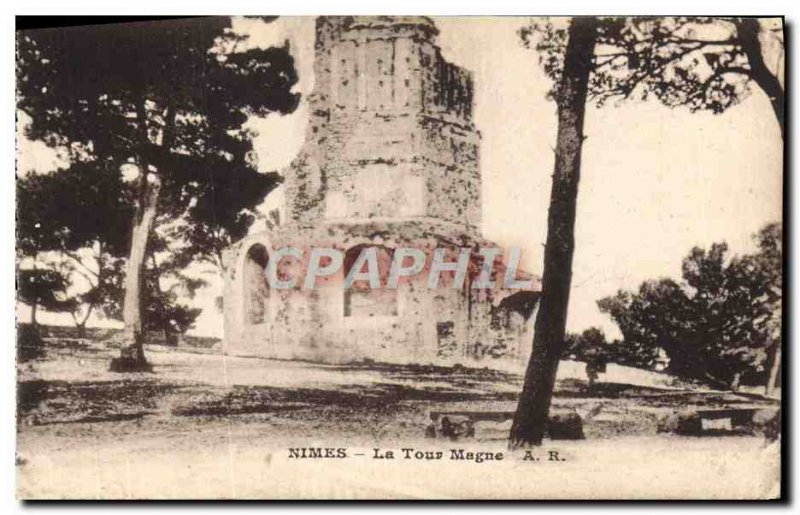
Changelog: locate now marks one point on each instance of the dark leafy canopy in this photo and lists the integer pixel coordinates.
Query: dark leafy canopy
(88, 89)
(73, 208)
(64, 214)
(45, 289)
(702, 63)
(213, 221)
(70, 78)
(81, 208)
(164, 98)
(720, 323)
(586, 345)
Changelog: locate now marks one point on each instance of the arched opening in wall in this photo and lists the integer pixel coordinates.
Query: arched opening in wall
(256, 287)
(361, 299)
(508, 320)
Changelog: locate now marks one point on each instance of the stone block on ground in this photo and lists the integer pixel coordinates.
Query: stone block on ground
(566, 425)
(723, 422)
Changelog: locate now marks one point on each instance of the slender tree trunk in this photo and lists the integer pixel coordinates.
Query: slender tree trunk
(735, 382)
(34, 305)
(772, 381)
(530, 420)
(81, 324)
(132, 353)
(35, 300)
(165, 327)
(146, 212)
(748, 30)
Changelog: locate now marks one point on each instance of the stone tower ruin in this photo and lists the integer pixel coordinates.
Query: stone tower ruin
(390, 160)
(391, 134)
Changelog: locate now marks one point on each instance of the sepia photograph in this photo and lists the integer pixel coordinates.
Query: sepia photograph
(400, 257)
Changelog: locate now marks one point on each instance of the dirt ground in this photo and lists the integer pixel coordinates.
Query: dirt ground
(203, 425)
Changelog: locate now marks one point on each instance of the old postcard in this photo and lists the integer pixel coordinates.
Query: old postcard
(400, 257)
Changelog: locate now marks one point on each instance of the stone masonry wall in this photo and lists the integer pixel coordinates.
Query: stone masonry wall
(390, 160)
(390, 134)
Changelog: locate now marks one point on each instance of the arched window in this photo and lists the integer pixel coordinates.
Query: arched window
(361, 300)
(256, 288)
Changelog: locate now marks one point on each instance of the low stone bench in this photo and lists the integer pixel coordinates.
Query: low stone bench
(721, 422)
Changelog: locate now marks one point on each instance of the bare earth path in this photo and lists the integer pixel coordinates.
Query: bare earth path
(207, 426)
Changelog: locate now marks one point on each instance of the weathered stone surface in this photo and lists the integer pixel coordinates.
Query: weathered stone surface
(565, 426)
(390, 160)
(726, 421)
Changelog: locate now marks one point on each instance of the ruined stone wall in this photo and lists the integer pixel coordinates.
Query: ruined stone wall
(453, 182)
(390, 134)
(390, 159)
(445, 326)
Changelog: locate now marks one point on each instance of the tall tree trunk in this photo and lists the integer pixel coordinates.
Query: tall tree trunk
(156, 285)
(735, 382)
(772, 381)
(132, 353)
(748, 30)
(133, 350)
(81, 323)
(35, 300)
(34, 305)
(530, 420)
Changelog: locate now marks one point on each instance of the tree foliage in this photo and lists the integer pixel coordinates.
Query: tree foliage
(586, 344)
(702, 63)
(599, 59)
(74, 224)
(86, 87)
(719, 323)
(42, 288)
(169, 101)
(73, 208)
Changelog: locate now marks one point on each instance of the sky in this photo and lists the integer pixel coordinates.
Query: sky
(654, 181)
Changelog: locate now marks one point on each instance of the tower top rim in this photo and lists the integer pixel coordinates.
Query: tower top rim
(423, 23)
